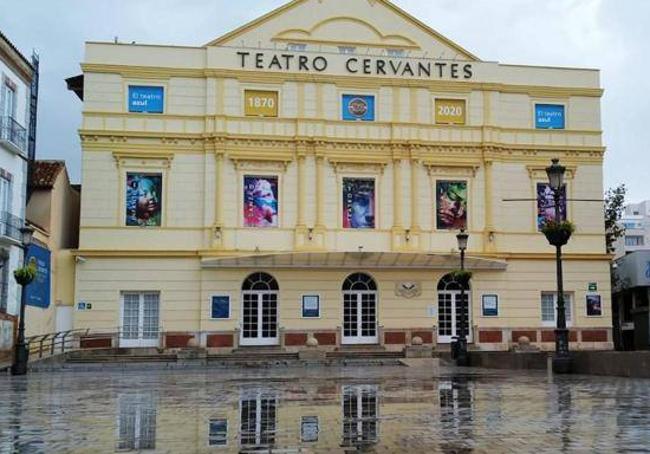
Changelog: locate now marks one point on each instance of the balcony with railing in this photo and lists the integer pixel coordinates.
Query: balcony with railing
(10, 226)
(13, 135)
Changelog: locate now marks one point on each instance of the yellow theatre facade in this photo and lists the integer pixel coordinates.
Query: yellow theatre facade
(306, 175)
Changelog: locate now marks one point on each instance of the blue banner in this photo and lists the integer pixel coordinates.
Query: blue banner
(37, 293)
(146, 99)
(358, 108)
(549, 116)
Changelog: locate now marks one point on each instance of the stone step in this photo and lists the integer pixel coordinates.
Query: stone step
(364, 354)
(93, 359)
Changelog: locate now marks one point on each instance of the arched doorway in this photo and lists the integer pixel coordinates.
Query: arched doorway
(259, 310)
(359, 310)
(450, 310)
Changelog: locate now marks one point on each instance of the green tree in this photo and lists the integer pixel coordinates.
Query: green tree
(614, 206)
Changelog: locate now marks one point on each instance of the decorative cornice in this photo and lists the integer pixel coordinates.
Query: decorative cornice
(438, 168)
(124, 158)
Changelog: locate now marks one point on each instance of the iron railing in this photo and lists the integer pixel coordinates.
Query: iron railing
(12, 131)
(10, 226)
(51, 344)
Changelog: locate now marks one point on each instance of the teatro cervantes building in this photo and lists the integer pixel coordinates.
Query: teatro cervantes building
(306, 174)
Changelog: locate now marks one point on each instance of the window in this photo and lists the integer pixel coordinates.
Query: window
(347, 49)
(218, 432)
(310, 306)
(4, 282)
(220, 307)
(309, 429)
(633, 240)
(549, 308)
(5, 192)
(297, 47)
(9, 97)
(632, 225)
(395, 52)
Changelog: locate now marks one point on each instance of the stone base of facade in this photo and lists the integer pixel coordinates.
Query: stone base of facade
(484, 339)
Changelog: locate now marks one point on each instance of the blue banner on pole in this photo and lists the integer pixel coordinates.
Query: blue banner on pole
(549, 116)
(146, 99)
(37, 293)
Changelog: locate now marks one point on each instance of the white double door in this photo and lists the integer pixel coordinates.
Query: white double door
(450, 316)
(140, 319)
(259, 318)
(359, 318)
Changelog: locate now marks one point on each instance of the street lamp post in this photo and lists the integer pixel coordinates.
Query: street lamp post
(21, 354)
(462, 359)
(562, 359)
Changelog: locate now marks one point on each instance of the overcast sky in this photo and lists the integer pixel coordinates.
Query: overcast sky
(612, 35)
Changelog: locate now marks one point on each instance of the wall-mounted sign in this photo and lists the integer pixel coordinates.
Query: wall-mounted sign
(490, 305)
(220, 307)
(358, 108)
(593, 287)
(371, 66)
(549, 116)
(83, 306)
(146, 99)
(450, 111)
(38, 292)
(310, 306)
(594, 306)
(258, 103)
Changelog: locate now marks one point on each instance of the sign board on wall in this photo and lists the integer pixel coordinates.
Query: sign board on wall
(258, 103)
(450, 111)
(549, 116)
(358, 108)
(38, 292)
(146, 99)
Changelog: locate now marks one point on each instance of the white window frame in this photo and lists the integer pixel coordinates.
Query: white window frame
(217, 446)
(568, 303)
(296, 47)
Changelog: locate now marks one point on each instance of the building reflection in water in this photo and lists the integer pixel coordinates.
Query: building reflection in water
(136, 422)
(258, 419)
(456, 415)
(360, 415)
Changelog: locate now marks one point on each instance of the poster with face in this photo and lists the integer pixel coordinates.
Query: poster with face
(143, 199)
(451, 198)
(260, 201)
(358, 203)
(546, 204)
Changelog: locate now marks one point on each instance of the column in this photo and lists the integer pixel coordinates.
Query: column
(415, 194)
(320, 192)
(301, 191)
(397, 194)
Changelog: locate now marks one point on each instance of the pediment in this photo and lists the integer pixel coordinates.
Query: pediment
(345, 30)
(325, 24)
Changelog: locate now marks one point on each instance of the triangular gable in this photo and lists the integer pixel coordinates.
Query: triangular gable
(344, 22)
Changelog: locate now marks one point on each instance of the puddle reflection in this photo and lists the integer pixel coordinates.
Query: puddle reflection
(206, 413)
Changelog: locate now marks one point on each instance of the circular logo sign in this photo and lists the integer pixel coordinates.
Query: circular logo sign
(358, 107)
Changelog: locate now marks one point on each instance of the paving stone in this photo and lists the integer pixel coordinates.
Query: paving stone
(371, 409)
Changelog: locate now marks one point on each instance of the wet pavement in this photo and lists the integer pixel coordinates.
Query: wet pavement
(368, 409)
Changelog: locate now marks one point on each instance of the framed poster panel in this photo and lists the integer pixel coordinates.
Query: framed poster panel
(546, 204)
(358, 108)
(260, 103)
(261, 201)
(146, 99)
(220, 307)
(310, 306)
(549, 116)
(450, 111)
(144, 199)
(594, 305)
(490, 305)
(451, 205)
(358, 203)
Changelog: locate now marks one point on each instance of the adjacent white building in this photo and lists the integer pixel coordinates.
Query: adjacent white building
(16, 76)
(636, 222)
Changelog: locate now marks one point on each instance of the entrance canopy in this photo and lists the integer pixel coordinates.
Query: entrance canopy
(354, 260)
